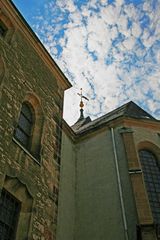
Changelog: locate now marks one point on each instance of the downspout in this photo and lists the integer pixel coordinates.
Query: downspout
(119, 185)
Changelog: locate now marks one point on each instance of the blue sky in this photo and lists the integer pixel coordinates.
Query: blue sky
(110, 48)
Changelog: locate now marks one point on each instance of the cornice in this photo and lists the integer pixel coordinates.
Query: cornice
(21, 25)
(143, 123)
(120, 121)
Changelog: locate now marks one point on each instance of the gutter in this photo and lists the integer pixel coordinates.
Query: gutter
(119, 185)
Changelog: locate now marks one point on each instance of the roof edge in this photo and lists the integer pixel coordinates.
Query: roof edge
(27, 31)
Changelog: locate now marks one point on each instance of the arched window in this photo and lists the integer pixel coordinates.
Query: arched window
(151, 172)
(25, 126)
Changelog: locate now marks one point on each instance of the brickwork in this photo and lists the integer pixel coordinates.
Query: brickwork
(25, 77)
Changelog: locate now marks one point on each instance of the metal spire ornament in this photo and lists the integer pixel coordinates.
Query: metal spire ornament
(81, 104)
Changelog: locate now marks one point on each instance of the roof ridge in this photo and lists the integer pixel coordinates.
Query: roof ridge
(129, 110)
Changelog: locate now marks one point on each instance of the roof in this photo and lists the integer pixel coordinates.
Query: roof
(80, 123)
(129, 109)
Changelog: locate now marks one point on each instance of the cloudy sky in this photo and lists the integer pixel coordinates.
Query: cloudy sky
(110, 48)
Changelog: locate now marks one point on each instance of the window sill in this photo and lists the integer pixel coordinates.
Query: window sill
(25, 150)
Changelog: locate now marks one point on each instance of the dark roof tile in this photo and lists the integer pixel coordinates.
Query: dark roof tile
(129, 109)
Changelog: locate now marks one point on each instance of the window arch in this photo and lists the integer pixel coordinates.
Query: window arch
(3, 70)
(151, 172)
(19, 194)
(3, 29)
(25, 125)
(6, 27)
(30, 125)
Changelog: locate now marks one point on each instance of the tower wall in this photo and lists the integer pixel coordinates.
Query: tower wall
(30, 174)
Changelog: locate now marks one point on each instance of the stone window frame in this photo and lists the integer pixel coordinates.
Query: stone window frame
(34, 148)
(22, 193)
(25, 130)
(3, 29)
(6, 21)
(151, 174)
(9, 214)
(3, 71)
(152, 148)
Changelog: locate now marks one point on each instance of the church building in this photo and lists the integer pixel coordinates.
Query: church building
(95, 180)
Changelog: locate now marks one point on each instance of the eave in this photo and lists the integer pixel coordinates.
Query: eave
(124, 121)
(20, 23)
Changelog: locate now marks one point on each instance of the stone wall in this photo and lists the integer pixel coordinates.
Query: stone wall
(25, 77)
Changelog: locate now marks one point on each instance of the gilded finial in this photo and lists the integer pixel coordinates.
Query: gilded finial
(82, 96)
(81, 104)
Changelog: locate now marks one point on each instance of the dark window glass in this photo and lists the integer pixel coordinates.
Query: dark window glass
(151, 172)
(21, 136)
(25, 124)
(139, 235)
(9, 213)
(3, 29)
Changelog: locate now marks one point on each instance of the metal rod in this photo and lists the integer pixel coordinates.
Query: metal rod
(119, 185)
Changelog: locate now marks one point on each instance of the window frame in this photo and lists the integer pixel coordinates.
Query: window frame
(22, 129)
(8, 26)
(34, 149)
(4, 29)
(151, 172)
(10, 226)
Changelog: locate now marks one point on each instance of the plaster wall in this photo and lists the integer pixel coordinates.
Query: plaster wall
(98, 208)
(66, 205)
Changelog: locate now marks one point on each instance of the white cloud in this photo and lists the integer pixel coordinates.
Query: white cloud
(119, 2)
(129, 43)
(86, 46)
(110, 14)
(136, 30)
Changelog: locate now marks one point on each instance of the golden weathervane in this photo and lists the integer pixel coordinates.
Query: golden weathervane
(82, 96)
(81, 104)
